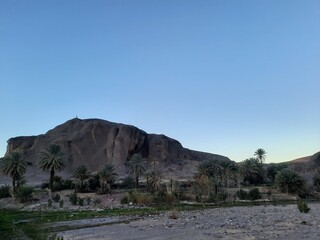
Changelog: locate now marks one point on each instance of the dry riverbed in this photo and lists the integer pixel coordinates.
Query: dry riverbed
(256, 222)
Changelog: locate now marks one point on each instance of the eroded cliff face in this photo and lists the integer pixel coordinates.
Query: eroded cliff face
(95, 142)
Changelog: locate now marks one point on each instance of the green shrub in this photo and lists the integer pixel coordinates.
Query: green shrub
(5, 191)
(24, 193)
(96, 201)
(219, 197)
(303, 207)
(44, 185)
(61, 203)
(56, 197)
(242, 195)
(80, 201)
(49, 202)
(125, 199)
(254, 194)
(73, 198)
(88, 200)
(128, 182)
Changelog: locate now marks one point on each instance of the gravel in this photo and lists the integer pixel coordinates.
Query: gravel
(256, 222)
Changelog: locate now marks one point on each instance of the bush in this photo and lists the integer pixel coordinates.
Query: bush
(44, 185)
(97, 201)
(288, 181)
(303, 207)
(242, 195)
(73, 198)
(174, 214)
(49, 202)
(24, 193)
(61, 203)
(254, 194)
(56, 197)
(219, 197)
(80, 201)
(5, 191)
(88, 200)
(128, 182)
(137, 198)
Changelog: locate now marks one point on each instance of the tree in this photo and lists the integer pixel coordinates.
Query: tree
(153, 180)
(260, 154)
(289, 181)
(107, 176)
(52, 159)
(251, 170)
(316, 180)
(14, 165)
(136, 167)
(273, 169)
(82, 179)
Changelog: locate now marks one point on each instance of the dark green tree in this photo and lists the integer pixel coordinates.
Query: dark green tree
(136, 167)
(251, 171)
(14, 165)
(288, 181)
(52, 160)
(107, 176)
(81, 179)
(260, 154)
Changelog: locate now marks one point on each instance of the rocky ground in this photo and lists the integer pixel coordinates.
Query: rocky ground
(256, 222)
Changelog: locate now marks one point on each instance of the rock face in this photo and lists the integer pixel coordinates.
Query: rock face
(95, 142)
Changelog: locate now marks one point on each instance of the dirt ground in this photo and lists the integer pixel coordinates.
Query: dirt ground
(257, 222)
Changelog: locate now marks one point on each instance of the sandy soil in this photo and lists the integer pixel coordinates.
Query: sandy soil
(257, 222)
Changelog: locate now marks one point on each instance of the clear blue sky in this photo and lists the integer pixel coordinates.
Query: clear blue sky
(225, 76)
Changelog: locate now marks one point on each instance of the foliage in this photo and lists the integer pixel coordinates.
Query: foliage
(273, 169)
(242, 194)
(52, 159)
(136, 167)
(218, 197)
(56, 197)
(252, 171)
(61, 203)
(316, 181)
(24, 193)
(128, 182)
(254, 194)
(107, 176)
(303, 206)
(5, 191)
(73, 198)
(94, 182)
(13, 165)
(81, 179)
(49, 202)
(289, 181)
(260, 154)
(80, 201)
(201, 187)
(137, 198)
(153, 180)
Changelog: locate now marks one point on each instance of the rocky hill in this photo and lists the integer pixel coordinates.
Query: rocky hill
(95, 142)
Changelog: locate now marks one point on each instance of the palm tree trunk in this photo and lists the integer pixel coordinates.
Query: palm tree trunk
(51, 179)
(14, 185)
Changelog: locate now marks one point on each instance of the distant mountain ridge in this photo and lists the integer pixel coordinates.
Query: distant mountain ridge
(95, 142)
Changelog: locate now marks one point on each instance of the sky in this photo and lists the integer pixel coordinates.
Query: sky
(220, 76)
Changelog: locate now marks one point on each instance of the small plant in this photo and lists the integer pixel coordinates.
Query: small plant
(24, 193)
(55, 237)
(97, 201)
(49, 203)
(174, 214)
(125, 199)
(44, 185)
(80, 201)
(61, 203)
(73, 198)
(242, 195)
(5, 191)
(254, 194)
(56, 197)
(88, 200)
(128, 182)
(303, 207)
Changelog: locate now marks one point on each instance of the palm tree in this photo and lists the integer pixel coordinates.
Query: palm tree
(81, 178)
(136, 167)
(107, 176)
(14, 165)
(251, 170)
(51, 159)
(260, 154)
